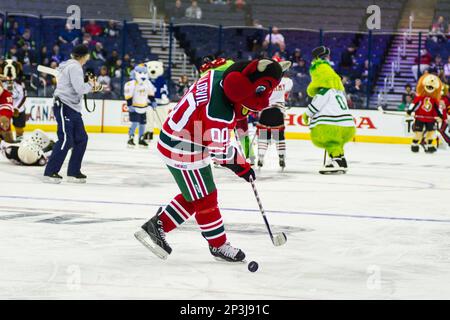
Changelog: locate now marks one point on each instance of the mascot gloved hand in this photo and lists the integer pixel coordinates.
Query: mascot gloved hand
(330, 121)
(426, 110)
(305, 119)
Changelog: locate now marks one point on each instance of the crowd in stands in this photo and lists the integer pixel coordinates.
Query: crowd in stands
(110, 66)
(191, 9)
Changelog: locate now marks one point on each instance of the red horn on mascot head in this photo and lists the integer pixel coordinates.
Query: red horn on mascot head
(249, 84)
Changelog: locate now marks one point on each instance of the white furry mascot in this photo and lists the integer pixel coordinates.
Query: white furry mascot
(157, 114)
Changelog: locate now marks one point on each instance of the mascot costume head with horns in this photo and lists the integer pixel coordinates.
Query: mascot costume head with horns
(198, 131)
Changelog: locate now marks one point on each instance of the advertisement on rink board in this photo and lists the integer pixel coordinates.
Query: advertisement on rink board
(111, 116)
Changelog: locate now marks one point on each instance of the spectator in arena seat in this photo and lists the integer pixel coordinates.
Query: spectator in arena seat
(447, 70)
(69, 35)
(98, 53)
(56, 55)
(14, 30)
(301, 69)
(112, 29)
(44, 56)
(105, 80)
(26, 56)
(255, 40)
(115, 71)
(194, 11)
(407, 98)
(25, 38)
(276, 39)
(12, 53)
(112, 59)
(437, 66)
(437, 30)
(87, 40)
(356, 93)
(182, 86)
(177, 12)
(347, 60)
(295, 57)
(93, 28)
(423, 64)
(363, 72)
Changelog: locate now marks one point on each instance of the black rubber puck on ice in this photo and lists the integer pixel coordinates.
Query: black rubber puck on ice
(253, 266)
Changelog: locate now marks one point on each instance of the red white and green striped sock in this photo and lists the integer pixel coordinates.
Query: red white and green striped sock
(176, 213)
(211, 225)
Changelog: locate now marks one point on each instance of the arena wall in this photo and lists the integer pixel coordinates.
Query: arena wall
(111, 116)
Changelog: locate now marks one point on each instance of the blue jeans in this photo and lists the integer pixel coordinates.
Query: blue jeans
(71, 135)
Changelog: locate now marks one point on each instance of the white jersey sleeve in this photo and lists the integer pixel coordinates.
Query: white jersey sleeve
(329, 106)
(128, 90)
(279, 94)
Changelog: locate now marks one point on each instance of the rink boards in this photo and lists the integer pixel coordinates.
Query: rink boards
(111, 116)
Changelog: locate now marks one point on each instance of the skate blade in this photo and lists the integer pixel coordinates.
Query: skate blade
(130, 146)
(340, 171)
(145, 239)
(51, 180)
(229, 262)
(75, 180)
(143, 147)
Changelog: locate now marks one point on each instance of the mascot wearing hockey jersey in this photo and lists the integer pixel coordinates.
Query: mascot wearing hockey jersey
(157, 114)
(34, 150)
(12, 74)
(271, 122)
(198, 131)
(330, 122)
(426, 109)
(6, 114)
(138, 91)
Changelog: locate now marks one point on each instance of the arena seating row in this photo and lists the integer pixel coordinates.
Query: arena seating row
(118, 9)
(45, 32)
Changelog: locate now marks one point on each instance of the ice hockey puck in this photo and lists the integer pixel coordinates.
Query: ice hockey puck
(253, 266)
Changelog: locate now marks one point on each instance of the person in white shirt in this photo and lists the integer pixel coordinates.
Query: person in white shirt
(194, 11)
(271, 122)
(275, 38)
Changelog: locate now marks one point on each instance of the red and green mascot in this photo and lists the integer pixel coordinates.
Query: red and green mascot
(198, 131)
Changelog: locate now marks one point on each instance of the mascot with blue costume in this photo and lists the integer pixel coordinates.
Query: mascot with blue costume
(138, 92)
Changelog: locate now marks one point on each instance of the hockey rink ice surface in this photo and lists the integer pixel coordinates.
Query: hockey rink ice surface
(382, 231)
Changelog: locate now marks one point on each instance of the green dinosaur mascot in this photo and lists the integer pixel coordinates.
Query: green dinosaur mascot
(328, 116)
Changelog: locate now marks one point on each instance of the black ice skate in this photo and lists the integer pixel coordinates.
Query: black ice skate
(130, 142)
(429, 148)
(282, 162)
(227, 253)
(148, 136)
(53, 178)
(153, 237)
(142, 142)
(336, 165)
(79, 178)
(260, 163)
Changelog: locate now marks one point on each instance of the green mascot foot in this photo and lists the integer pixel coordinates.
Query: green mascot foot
(335, 165)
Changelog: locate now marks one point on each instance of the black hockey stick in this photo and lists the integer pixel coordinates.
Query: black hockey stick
(278, 239)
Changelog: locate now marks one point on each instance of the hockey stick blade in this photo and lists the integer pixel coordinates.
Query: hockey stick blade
(279, 239)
